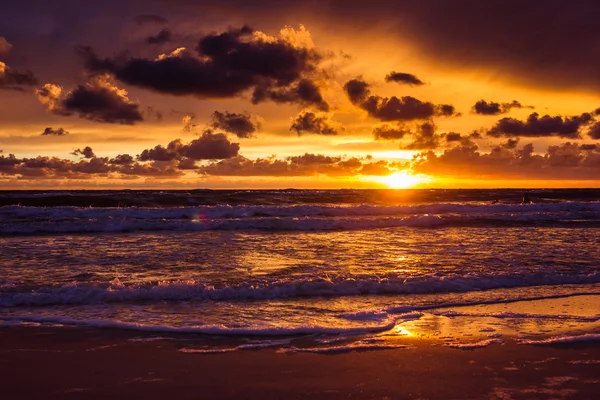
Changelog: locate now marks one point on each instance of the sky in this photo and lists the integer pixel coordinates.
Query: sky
(247, 94)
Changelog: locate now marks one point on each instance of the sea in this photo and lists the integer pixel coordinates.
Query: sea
(288, 263)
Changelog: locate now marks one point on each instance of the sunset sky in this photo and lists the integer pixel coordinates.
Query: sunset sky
(305, 94)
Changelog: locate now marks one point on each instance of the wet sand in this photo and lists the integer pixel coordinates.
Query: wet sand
(73, 363)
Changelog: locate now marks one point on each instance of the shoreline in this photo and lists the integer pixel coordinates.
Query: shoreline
(78, 362)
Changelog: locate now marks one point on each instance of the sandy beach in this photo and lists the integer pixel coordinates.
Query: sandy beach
(71, 363)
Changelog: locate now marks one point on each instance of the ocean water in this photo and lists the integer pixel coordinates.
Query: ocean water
(291, 262)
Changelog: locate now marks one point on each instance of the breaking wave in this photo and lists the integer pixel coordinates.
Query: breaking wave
(115, 292)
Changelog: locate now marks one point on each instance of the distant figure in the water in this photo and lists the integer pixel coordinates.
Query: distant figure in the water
(495, 201)
(526, 199)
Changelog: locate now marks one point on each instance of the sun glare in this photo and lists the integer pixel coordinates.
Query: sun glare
(402, 180)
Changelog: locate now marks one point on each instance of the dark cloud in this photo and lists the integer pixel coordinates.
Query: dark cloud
(151, 19)
(240, 125)
(186, 121)
(305, 93)
(187, 164)
(87, 152)
(15, 80)
(209, 146)
(315, 122)
(390, 131)
(4, 46)
(403, 77)
(588, 147)
(54, 132)
(594, 131)
(405, 108)
(507, 161)
(476, 134)
(98, 100)
(173, 151)
(226, 65)
(453, 137)
(510, 144)
(482, 107)
(304, 165)
(57, 168)
(122, 159)
(164, 36)
(536, 126)
(515, 40)
(424, 138)
(153, 113)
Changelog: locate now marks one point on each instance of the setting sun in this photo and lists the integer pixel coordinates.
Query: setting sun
(401, 180)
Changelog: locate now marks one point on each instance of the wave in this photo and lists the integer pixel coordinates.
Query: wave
(513, 315)
(309, 329)
(299, 211)
(116, 292)
(41, 220)
(588, 337)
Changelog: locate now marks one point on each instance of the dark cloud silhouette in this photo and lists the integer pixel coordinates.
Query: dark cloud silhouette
(87, 152)
(515, 40)
(304, 165)
(164, 36)
(122, 159)
(594, 131)
(424, 138)
(42, 167)
(315, 122)
(305, 93)
(403, 77)
(151, 19)
(482, 107)
(186, 121)
(98, 100)
(209, 146)
(453, 137)
(588, 147)
(240, 125)
(173, 151)
(390, 131)
(405, 108)
(510, 144)
(11, 79)
(226, 65)
(536, 126)
(153, 113)
(54, 132)
(507, 161)
(4, 46)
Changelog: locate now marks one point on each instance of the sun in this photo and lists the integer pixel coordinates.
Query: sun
(401, 180)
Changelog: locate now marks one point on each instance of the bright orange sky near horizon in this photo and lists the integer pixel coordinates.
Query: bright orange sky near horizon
(305, 95)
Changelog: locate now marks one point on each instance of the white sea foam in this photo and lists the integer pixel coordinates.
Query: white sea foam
(92, 293)
(262, 330)
(563, 339)
(250, 346)
(454, 313)
(358, 346)
(473, 345)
